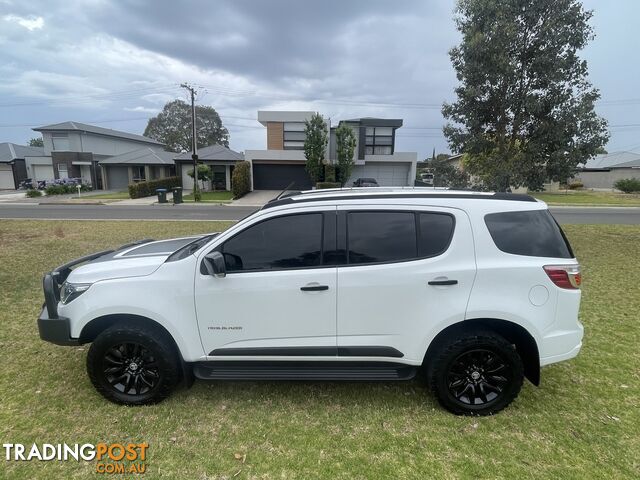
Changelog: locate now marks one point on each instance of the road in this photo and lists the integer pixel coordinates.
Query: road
(564, 215)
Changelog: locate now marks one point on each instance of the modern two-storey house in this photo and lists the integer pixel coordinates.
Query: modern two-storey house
(283, 161)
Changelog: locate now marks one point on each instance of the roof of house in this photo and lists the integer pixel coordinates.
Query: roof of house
(614, 160)
(83, 127)
(212, 152)
(143, 156)
(11, 151)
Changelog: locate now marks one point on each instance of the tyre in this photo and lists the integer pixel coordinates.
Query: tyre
(133, 365)
(478, 373)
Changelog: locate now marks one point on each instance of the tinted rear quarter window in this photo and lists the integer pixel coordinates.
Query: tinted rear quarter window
(532, 233)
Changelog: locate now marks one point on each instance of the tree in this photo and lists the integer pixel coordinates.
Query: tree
(36, 142)
(445, 174)
(315, 143)
(345, 146)
(204, 173)
(524, 112)
(172, 126)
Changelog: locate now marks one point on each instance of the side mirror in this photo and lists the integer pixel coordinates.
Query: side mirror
(215, 265)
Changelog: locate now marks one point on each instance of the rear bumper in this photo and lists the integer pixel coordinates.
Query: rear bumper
(561, 345)
(55, 330)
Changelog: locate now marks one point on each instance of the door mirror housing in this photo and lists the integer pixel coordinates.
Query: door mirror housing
(215, 264)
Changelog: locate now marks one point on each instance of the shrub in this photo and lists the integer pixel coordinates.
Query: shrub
(329, 173)
(33, 193)
(148, 188)
(321, 185)
(575, 185)
(241, 179)
(628, 185)
(65, 187)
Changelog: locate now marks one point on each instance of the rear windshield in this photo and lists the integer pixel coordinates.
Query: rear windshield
(532, 233)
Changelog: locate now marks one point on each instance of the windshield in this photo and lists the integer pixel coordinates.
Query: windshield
(191, 247)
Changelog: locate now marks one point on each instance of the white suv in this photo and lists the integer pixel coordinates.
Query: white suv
(478, 290)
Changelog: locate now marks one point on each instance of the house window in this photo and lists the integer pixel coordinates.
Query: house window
(138, 173)
(379, 141)
(294, 136)
(60, 141)
(219, 178)
(62, 171)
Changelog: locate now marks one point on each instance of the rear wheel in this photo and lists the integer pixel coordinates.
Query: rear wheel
(479, 373)
(133, 365)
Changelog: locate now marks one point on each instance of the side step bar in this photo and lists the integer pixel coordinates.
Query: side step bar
(285, 370)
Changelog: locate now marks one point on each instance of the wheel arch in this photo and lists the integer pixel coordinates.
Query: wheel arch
(99, 324)
(525, 343)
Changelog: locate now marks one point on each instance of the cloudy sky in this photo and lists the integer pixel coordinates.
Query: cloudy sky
(115, 63)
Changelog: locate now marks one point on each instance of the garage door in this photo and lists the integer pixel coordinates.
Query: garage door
(43, 172)
(278, 177)
(117, 178)
(387, 174)
(6, 177)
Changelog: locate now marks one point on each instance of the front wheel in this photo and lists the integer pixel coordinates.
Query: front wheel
(478, 373)
(133, 365)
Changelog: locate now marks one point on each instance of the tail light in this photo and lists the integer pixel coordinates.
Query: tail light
(564, 276)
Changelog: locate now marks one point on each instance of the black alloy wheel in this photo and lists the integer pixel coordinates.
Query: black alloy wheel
(475, 373)
(130, 368)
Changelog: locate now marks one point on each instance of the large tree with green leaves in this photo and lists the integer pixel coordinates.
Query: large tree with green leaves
(524, 112)
(315, 145)
(172, 126)
(36, 142)
(345, 147)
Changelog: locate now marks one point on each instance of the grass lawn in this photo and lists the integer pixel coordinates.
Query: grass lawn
(582, 422)
(588, 197)
(222, 196)
(105, 196)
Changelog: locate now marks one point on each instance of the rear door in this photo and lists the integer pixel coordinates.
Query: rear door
(408, 272)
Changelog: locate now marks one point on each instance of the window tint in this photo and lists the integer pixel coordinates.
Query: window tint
(533, 233)
(436, 230)
(381, 236)
(292, 241)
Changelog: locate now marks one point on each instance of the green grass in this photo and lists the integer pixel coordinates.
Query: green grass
(106, 196)
(222, 196)
(582, 422)
(581, 197)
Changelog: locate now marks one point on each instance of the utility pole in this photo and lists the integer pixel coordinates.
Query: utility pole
(194, 142)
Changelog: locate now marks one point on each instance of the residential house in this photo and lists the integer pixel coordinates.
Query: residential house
(283, 162)
(73, 149)
(221, 160)
(148, 163)
(13, 168)
(604, 170)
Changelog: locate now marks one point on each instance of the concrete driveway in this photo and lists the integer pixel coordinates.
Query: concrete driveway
(257, 198)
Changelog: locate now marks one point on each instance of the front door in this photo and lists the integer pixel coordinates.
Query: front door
(408, 272)
(279, 295)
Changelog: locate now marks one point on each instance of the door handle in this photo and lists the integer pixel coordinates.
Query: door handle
(314, 288)
(443, 282)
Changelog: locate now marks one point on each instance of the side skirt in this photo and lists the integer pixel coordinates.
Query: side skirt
(289, 370)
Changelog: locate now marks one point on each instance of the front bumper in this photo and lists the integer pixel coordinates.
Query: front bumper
(55, 330)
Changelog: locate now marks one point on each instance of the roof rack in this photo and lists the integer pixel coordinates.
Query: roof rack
(399, 192)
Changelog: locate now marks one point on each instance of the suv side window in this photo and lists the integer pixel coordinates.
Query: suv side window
(532, 233)
(378, 237)
(436, 231)
(290, 241)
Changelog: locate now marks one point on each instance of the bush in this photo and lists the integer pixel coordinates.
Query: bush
(148, 188)
(241, 179)
(322, 185)
(329, 174)
(33, 193)
(575, 185)
(628, 185)
(66, 186)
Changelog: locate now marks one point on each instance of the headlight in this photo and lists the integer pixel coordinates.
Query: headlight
(70, 291)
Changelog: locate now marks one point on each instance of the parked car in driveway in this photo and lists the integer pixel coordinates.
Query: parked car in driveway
(365, 182)
(477, 290)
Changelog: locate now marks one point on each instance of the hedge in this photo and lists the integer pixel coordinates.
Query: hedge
(148, 188)
(33, 193)
(321, 185)
(64, 189)
(241, 179)
(628, 185)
